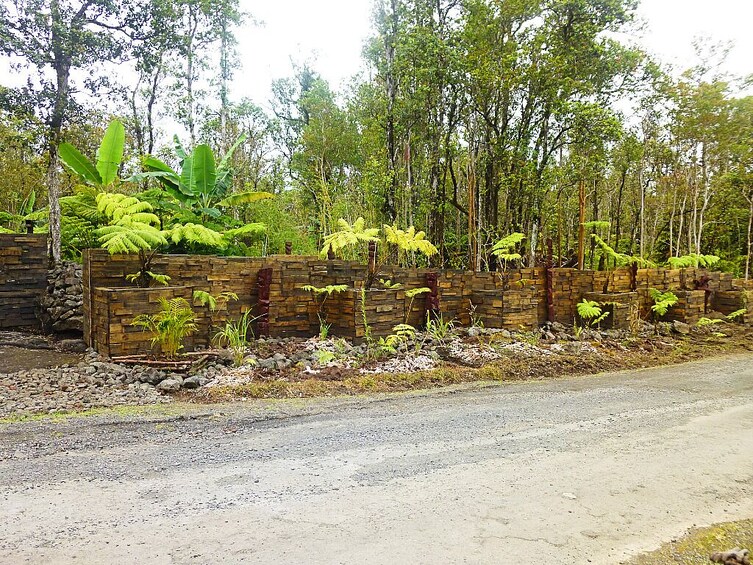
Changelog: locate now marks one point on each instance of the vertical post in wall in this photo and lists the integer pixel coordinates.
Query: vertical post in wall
(372, 257)
(288, 248)
(263, 283)
(432, 298)
(581, 225)
(634, 277)
(549, 281)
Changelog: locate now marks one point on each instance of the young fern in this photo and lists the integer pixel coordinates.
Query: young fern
(663, 301)
(591, 312)
(693, 261)
(504, 249)
(175, 321)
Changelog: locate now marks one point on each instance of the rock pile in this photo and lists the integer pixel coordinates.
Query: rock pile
(61, 307)
(735, 557)
(92, 383)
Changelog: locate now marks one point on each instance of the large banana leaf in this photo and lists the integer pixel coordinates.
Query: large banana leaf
(187, 177)
(226, 158)
(180, 151)
(80, 165)
(110, 153)
(27, 207)
(245, 198)
(204, 172)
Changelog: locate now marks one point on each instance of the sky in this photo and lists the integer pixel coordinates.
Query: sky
(331, 33)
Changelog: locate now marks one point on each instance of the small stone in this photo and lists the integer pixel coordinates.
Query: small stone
(169, 385)
(680, 327)
(192, 382)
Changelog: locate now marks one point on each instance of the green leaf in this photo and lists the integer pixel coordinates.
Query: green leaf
(229, 155)
(180, 151)
(110, 153)
(204, 171)
(187, 178)
(80, 165)
(245, 198)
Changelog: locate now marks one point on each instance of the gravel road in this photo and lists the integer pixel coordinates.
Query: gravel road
(571, 471)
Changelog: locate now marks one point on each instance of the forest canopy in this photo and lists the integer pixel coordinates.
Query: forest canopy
(476, 119)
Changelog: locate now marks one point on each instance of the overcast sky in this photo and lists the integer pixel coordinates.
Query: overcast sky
(331, 33)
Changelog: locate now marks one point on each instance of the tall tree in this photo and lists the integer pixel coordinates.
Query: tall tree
(57, 38)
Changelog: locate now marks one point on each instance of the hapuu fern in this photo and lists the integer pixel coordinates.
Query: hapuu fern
(591, 312)
(693, 261)
(504, 249)
(348, 235)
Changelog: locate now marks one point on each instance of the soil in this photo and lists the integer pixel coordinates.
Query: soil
(14, 359)
(514, 365)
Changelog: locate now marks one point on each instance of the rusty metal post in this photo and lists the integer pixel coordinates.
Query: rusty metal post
(330, 255)
(29, 227)
(288, 248)
(634, 277)
(432, 298)
(581, 225)
(372, 257)
(549, 281)
(263, 283)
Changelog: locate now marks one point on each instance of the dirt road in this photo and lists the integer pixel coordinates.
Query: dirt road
(579, 470)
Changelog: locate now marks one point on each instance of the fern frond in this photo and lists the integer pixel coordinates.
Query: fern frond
(241, 198)
(195, 234)
(248, 230)
(328, 290)
(504, 248)
(129, 237)
(348, 235)
(412, 293)
(409, 240)
(117, 206)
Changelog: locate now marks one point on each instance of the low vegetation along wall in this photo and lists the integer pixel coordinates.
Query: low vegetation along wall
(272, 288)
(23, 279)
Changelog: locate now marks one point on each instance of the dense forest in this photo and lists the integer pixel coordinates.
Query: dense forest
(475, 119)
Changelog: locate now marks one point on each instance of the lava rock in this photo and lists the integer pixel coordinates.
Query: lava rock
(169, 385)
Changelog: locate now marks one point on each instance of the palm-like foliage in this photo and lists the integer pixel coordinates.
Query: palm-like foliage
(693, 261)
(175, 321)
(202, 186)
(663, 301)
(348, 235)
(591, 312)
(504, 249)
(409, 240)
(195, 235)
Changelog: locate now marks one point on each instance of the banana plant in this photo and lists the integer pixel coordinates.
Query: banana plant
(202, 185)
(109, 157)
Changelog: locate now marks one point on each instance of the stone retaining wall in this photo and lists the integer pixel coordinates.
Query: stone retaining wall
(23, 279)
(513, 299)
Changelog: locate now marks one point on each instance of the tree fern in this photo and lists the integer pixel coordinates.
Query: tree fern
(591, 312)
(195, 235)
(409, 240)
(693, 261)
(247, 230)
(118, 206)
(618, 259)
(504, 248)
(241, 198)
(348, 235)
(663, 301)
(128, 236)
